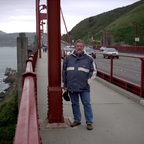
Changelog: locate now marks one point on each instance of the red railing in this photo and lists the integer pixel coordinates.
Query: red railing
(127, 85)
(130, 49)
(27, 130)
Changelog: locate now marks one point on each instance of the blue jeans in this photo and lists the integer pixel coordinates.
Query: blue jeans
(85, 99)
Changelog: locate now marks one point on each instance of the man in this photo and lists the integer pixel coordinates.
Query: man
(78, 69)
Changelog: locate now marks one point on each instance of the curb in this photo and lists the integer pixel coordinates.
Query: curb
(121, 91)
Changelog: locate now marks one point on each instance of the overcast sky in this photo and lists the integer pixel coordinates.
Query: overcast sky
(19, 15)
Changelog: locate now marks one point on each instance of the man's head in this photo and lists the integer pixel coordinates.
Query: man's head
(79, 46)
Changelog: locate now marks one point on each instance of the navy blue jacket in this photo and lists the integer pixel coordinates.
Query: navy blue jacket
(77, 72)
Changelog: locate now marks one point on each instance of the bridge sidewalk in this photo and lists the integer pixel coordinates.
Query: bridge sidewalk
(117, 119)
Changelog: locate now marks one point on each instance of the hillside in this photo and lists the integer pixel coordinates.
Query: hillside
(8, 114)
(123, 29)
(116, 23)
(9, 39)
(1, 32)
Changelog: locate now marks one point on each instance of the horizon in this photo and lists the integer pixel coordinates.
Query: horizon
(19, 16)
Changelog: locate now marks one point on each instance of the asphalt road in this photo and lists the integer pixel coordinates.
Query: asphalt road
(125, 68)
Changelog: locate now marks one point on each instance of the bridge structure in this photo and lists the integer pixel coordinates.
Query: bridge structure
(44, 117)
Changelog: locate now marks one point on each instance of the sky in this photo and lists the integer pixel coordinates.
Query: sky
(19, 15)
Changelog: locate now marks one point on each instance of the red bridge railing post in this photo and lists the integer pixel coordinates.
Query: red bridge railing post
(111, 68)
(142, 78)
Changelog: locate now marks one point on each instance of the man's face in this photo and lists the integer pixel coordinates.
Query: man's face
(79, 47)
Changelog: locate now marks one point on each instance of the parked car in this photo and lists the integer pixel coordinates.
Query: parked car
(103, 48)
(91, 52)
(107, 53)
(67, 50)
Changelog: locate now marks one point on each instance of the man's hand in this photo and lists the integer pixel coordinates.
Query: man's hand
(89, 81)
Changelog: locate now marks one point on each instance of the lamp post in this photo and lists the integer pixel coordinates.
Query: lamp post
(41, 7)
(136, 32)
(104, 37)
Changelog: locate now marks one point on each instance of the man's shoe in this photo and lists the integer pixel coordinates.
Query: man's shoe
(75, 124)
(89, 127)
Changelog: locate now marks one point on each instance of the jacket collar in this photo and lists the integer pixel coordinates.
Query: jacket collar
(74, 53)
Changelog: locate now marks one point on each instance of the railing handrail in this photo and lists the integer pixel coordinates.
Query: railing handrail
(27, 130)
(129, 86)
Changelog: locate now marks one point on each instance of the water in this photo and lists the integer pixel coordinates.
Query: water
(8, 58)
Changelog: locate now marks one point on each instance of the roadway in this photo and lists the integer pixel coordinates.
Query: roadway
(125, 68)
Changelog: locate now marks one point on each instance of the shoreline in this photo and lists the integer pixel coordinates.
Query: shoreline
(11, 77)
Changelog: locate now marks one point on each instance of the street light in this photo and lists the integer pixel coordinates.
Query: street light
(136, 32)
(104, 37)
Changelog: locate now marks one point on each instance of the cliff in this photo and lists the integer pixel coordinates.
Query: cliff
(9, 109)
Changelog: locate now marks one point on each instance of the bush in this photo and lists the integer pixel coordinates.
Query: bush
(8, 115)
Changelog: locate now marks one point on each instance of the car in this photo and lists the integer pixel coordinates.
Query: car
(103, 48)
(67, 50)
(91, 52)
(107, 53)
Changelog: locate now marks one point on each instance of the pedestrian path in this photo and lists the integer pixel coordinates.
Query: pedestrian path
(117, 118)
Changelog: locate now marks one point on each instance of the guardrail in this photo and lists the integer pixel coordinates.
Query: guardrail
(27, 130)
(136, 49)
(129, 86)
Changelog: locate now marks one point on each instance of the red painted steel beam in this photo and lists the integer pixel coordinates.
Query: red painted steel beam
(39, 33)
(55, 110)
(121, 83)
(38, 25)
(142, 78)
(39, 16)
(37, 21)
(27, 130)
(29, 67)
(43, 16)
(111, 68)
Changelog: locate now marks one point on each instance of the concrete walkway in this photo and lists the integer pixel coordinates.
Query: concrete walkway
(117, 118)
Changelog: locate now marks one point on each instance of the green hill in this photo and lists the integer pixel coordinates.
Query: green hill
(124, 31)
(116, 23)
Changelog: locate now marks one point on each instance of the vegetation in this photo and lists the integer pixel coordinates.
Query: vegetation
(8, 115)
(123, 29)
(116, 23)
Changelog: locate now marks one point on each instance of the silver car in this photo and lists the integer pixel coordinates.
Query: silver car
(103, 48)
(107, 53)
(66, 51)
(91, 52)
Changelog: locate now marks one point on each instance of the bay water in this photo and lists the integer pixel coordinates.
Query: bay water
(8, 59)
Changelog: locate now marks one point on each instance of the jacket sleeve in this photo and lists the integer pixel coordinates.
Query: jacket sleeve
(92, 72)
(64, 72)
